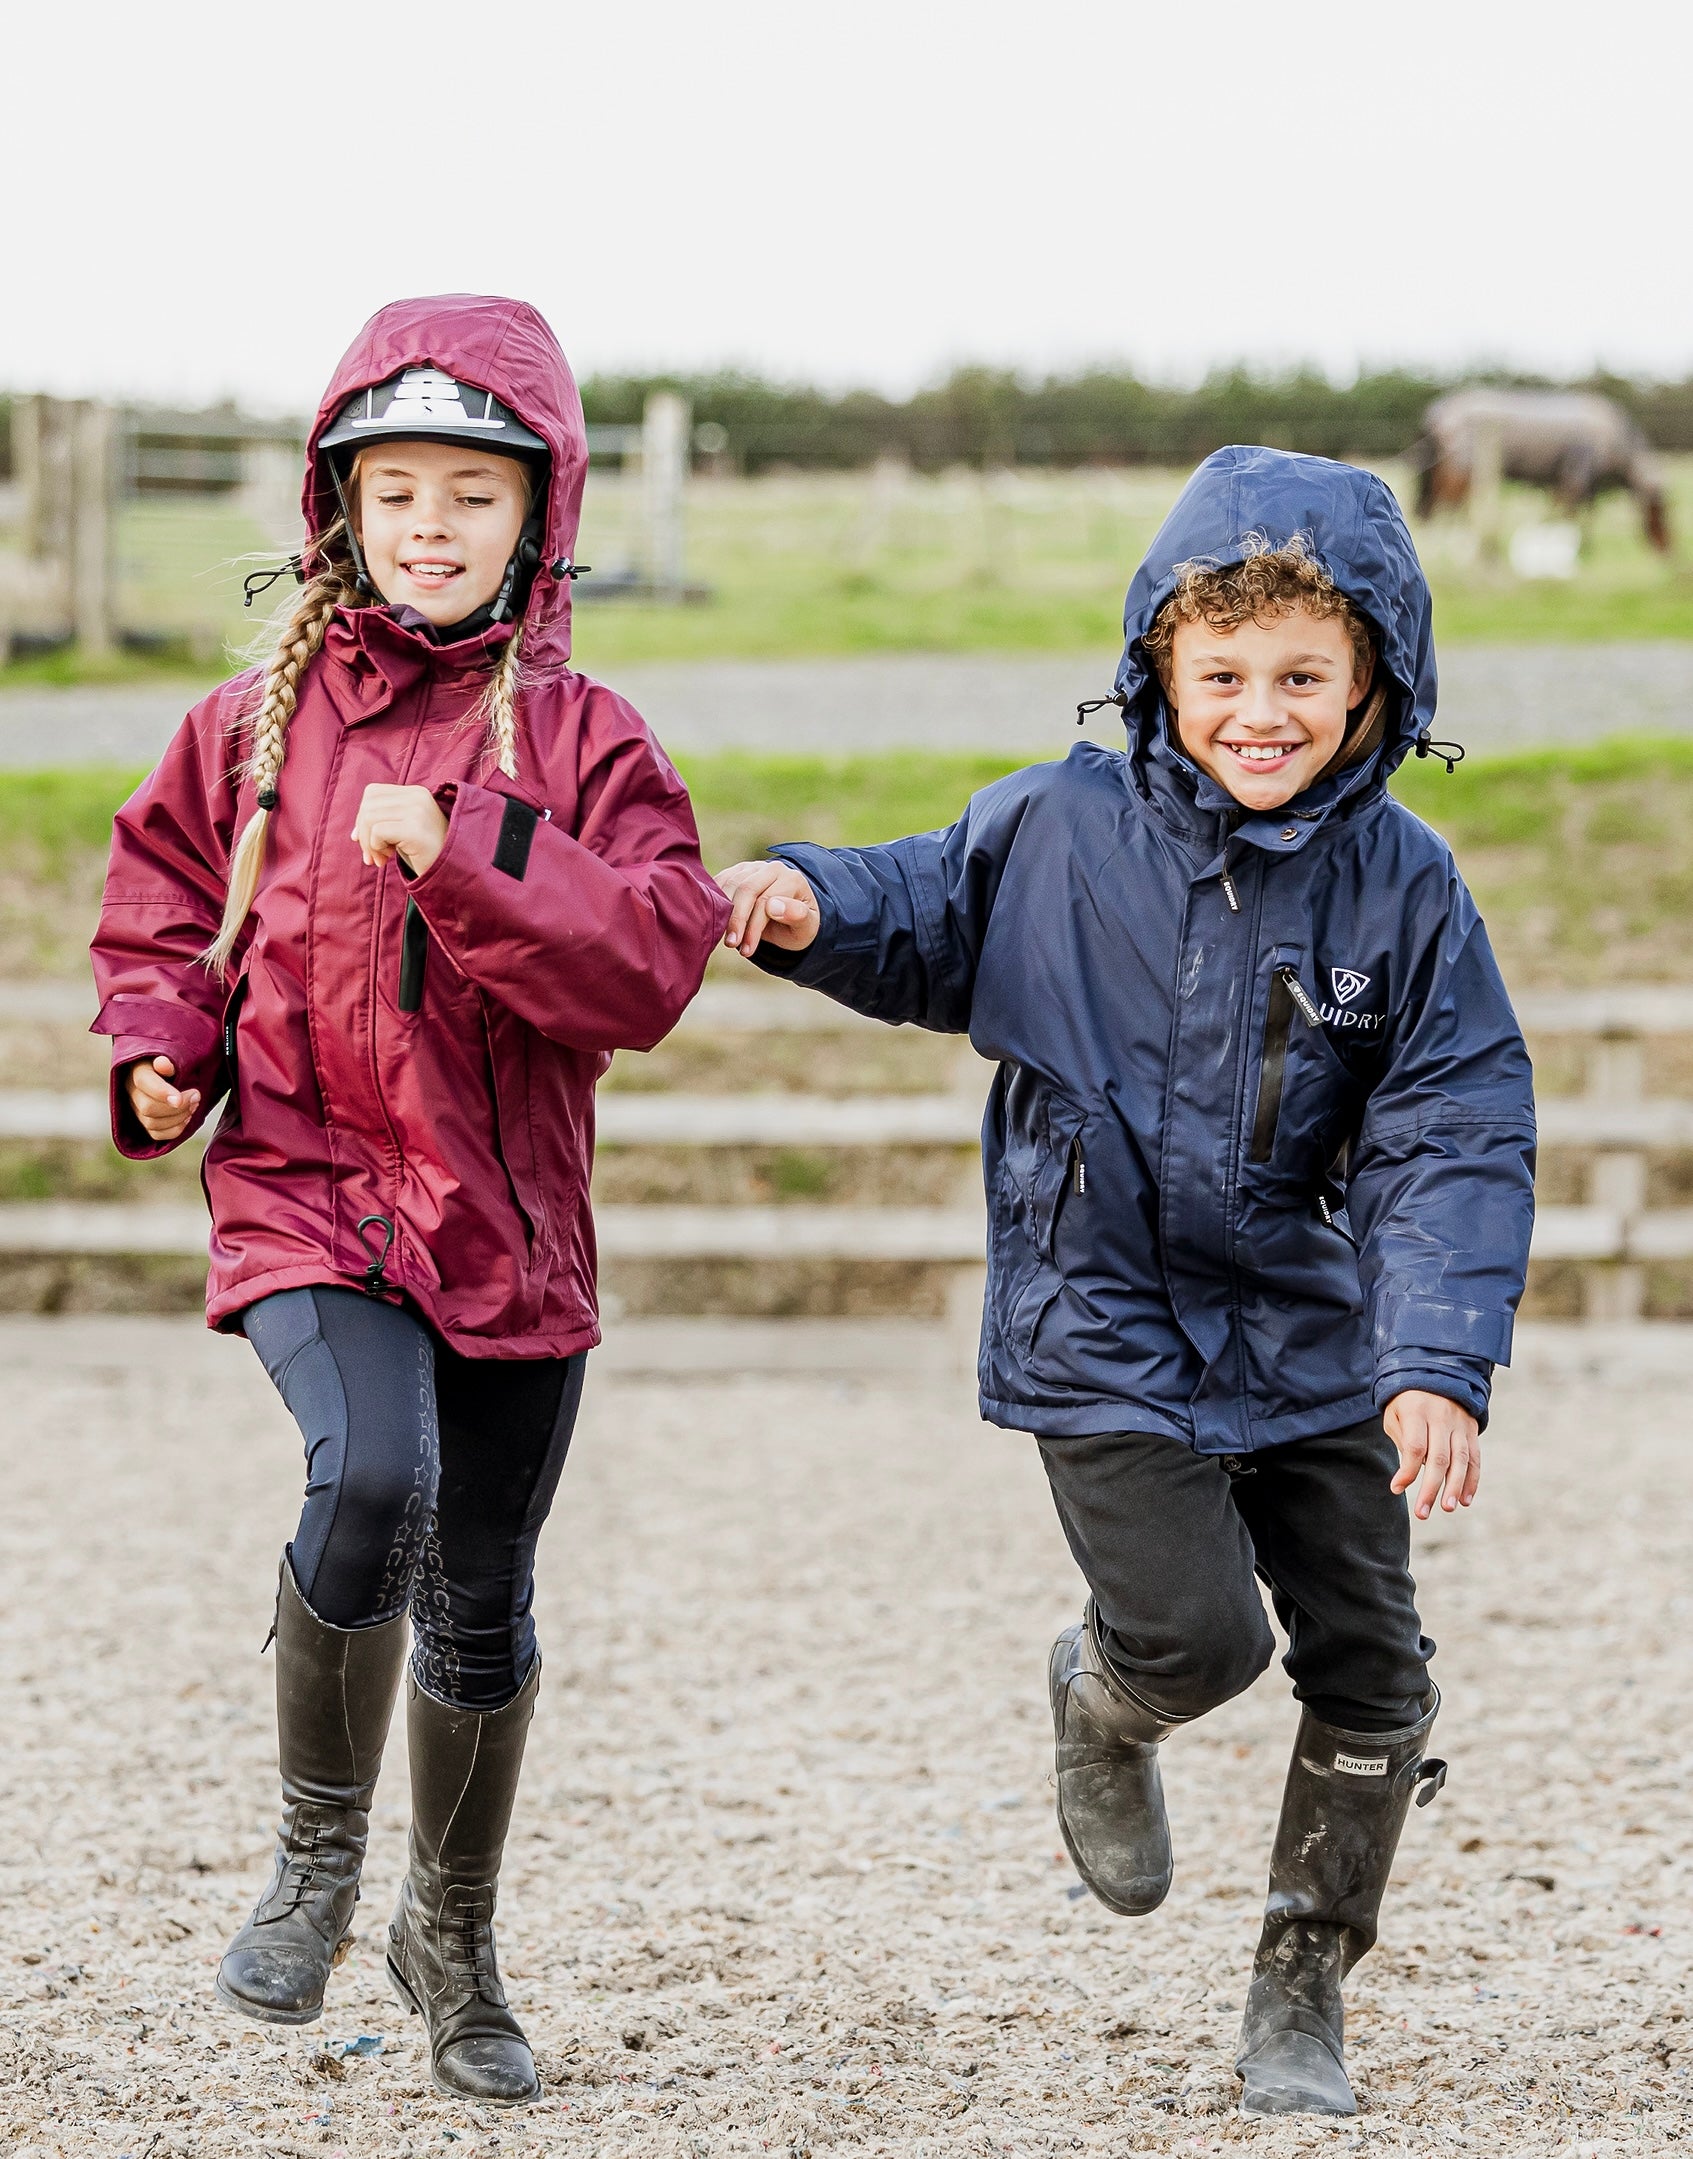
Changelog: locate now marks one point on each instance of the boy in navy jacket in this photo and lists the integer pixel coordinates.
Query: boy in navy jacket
(1259, 1165)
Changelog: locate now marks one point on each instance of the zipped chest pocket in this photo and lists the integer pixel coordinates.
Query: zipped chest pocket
(1289, 999)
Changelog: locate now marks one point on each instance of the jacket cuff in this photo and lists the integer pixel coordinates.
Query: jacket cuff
(1464, 1380)
(146, 1027)
(1406, 1323)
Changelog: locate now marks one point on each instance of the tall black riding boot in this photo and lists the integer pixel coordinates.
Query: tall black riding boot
(1342, 1811)
(335, 1689)
(1110, 1795)
(465, 1765)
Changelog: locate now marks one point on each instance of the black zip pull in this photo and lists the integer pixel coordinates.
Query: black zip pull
(1300, 995)
(373, 1278)
(1078, 1169)
(1223, 877)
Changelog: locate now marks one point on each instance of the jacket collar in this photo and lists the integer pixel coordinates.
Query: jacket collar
(375, 660)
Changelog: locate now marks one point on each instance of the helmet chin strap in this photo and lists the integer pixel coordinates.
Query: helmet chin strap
(513, 595)
(361, 577)
(508, 602)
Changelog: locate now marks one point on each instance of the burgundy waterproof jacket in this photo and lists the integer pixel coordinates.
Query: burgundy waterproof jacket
(568, 915)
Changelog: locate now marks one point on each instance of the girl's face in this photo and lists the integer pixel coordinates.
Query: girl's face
(438, 523)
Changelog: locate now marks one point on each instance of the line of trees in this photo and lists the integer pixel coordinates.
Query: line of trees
(981, 416)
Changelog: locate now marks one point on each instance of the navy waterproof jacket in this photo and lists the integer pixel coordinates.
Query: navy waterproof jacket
(1260, 1152)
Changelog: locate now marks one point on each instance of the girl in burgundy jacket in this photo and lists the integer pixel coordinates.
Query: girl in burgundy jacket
(398, 895)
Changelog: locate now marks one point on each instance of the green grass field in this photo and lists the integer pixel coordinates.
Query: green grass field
(826, 563)
(1582, 860)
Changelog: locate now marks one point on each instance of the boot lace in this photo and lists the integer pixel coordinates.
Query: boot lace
(469, 1939)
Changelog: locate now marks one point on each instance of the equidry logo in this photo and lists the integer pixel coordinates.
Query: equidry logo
(1349, 986)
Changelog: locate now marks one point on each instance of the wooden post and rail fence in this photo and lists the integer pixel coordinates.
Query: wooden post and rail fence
(1614, 1237)
(76, 461)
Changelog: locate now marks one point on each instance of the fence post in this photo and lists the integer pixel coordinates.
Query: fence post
(664, 468)
(28, 450)
(1487, 461)
(93, 481)
(1616, 1073)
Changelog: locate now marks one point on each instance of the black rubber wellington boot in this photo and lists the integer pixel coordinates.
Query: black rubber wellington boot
(1110, 1795)
(1343, 1808)
(465, 1765)
(335, 1690)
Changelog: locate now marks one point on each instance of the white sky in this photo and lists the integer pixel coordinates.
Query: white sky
(204, 200)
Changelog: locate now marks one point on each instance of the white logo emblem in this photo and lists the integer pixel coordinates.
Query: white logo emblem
(1348, 983)
(426, 398)
(1361, 1765)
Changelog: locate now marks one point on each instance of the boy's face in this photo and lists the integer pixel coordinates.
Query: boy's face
(1262, 707)
(438, 524)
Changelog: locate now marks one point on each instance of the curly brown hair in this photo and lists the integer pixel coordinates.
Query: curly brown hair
(1267, 582)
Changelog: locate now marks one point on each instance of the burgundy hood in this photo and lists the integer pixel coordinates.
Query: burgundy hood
(499, 345)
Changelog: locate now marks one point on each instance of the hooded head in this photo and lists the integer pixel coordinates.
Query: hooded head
(452, 344)
(1243, 499)
(500, 347)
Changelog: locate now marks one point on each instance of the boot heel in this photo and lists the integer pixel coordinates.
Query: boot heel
(408, 2000)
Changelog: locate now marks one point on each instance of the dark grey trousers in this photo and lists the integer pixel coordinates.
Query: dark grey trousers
(1173, 1543)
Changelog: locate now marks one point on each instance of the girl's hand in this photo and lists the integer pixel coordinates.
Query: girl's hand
(163, 1112)
(1439, 1441)
(770, 900)
(403, 821)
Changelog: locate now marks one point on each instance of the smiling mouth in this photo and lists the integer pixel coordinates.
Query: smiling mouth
(1262, 756)
(427, 572)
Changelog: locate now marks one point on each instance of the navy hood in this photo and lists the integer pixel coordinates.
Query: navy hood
(1245, 497)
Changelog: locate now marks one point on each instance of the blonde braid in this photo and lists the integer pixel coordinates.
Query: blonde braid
(301, 636)
(499, 703)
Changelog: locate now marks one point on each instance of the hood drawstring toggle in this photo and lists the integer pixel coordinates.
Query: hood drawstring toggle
(1450, 753)
(1097, 704)
(564, 567)
(257, 581)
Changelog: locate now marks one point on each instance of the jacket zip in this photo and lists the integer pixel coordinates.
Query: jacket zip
(1287, 995)
(1223, 877)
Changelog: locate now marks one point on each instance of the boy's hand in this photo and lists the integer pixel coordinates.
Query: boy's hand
(404, 821)
(163, 1112)
(1439, 1441)
(770, 900)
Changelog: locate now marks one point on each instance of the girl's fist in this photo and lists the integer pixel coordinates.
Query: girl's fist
(163, 1112)
(403, 821)
(769, 900)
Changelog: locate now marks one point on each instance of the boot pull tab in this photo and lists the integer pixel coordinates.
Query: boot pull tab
(373, 1278)
(1428, 1777)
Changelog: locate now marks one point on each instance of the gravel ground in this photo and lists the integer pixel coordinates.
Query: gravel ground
(1494, 697)
(784, 1877)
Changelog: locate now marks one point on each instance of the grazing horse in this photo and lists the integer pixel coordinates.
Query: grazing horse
(1578, 445)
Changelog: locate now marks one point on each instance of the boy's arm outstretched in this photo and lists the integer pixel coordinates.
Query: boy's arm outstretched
(1441, 1191)
(893, 931)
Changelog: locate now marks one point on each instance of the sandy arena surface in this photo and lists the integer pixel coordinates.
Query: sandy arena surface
(784, 1876)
